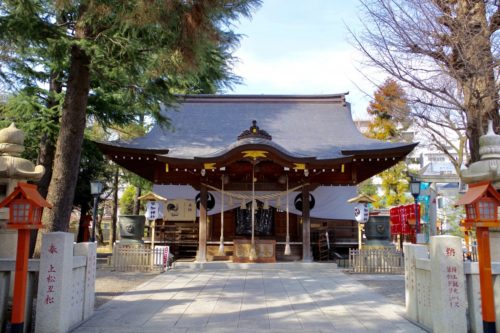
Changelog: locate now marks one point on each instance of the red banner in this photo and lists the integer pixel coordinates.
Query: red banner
(403, 219)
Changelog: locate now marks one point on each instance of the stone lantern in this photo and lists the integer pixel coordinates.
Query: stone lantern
(13, 169)
(487, 169)
(481, 203)
(488, 166)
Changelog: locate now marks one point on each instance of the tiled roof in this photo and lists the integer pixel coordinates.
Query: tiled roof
(206, 125)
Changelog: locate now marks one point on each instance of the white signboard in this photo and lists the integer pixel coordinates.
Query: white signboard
(154, 210)
(180, 210)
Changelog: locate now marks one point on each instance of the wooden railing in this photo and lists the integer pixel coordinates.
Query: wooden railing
(380, 261)
(140, 257)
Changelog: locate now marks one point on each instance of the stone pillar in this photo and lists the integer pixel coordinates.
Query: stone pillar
(306, 226)
(432, 209)
(89, 251)
(202, 240)
(495, 244)
(412, 253)
(55, 283)
(448, 299)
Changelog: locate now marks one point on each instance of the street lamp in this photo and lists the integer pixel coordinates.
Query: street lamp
(415, 192)
(96, 188)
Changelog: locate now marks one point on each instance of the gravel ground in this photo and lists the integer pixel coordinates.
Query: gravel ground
(391, 286)
(110, 284)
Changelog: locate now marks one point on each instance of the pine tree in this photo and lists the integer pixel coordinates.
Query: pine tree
(113, 60)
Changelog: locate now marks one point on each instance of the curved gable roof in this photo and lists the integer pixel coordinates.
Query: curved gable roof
(318, 126)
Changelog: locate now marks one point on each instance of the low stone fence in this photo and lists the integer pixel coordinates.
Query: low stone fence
(66, 285)
(441, 290)
(376, 261)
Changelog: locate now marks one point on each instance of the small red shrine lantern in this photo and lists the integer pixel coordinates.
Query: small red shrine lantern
(481, 205)
(25, 207)
(25, 213)
(481, 209)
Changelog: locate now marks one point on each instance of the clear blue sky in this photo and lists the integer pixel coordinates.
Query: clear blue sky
(301, 47)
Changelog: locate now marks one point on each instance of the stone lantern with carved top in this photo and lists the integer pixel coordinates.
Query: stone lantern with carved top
(13, 169)
(481, 203)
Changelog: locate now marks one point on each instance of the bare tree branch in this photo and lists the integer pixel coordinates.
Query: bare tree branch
(445, 54)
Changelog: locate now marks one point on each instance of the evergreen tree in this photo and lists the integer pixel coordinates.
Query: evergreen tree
(109, 59)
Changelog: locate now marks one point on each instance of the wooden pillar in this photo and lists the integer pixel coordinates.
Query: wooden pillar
(202, 239)
(306, 226)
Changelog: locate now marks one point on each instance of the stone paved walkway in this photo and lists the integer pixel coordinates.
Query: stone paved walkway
(269, 298)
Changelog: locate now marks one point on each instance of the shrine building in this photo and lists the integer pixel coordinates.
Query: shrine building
(235, 170)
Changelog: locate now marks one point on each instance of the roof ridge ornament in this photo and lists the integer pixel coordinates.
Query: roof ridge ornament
(254, 132)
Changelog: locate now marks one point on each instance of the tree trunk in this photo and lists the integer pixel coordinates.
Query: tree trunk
(69, 143)
(137, 204)
(475, 71)
(98, 228)
(83, 223)
(46, 152)
(114, 217)
(47, 144)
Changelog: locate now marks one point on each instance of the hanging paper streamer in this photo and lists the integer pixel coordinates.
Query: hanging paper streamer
(221, 245)
(253, 252)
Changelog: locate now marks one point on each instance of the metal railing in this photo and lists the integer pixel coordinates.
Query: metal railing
(379, 261)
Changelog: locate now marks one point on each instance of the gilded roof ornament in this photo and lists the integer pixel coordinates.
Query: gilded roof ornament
(254, 132)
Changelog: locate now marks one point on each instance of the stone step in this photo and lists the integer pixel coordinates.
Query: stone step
(256, 266)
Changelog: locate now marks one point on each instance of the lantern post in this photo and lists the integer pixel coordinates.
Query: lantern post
(25, 214)
(481, 205)
(361, 214)
(415, 192)
(481, 208)
(96, 188)
(154, 211)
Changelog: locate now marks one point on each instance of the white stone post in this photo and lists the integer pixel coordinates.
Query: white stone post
(412, 253)
(474, 296)
(88, 250)
(55, 282)
(448, 300)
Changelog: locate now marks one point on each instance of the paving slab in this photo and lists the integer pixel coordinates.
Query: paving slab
(295, 297)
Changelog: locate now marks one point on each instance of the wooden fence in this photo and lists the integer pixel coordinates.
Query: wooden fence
(381, 261)
(140, 257)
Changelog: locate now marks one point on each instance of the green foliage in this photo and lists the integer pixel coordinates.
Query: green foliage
(137, 55)
(142, 52)
(367, 187)
(30, 114)
(127, 200)
(93, 166)
(395, 186)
